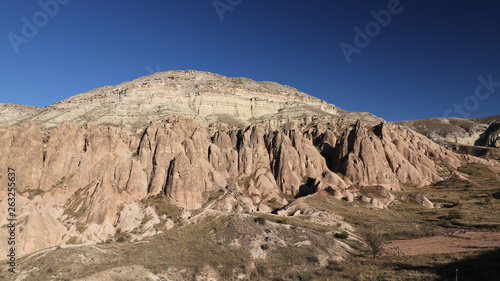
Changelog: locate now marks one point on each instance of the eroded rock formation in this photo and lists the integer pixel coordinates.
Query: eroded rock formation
(86, 181)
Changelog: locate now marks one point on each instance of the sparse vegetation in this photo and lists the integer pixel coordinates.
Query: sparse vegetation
(454, 215)
(81, 226)
(472, 266)
(342, 235)
(73, 240)
(374, 239)
(260, 220)
(161, 205)
(34, 192)
(304, 277)
(75, 205)
(283, 221)
(496, 195)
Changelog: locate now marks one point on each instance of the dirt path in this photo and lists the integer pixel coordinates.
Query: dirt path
(208, 208)
(452, 240)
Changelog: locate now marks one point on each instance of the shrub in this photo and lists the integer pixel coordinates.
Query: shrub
(336, 266)
(374, 239)
(454, 215)
(121, 239)
(260, 220)
(313, 259)
(307, 276)
(342, 235)
(73, 240)
(496, 195)
(283, 221)
(444, 223)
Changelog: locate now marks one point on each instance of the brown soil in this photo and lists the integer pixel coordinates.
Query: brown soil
(451, 241)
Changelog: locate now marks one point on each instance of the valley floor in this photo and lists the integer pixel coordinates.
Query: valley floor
(452, 241)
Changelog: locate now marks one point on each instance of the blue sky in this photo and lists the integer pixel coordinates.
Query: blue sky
(423, 62)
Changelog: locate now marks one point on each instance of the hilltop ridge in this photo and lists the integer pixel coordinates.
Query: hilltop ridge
(207, 96)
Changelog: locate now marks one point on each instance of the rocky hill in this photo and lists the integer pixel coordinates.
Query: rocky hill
(475, 131)
(475, 136)
(15, 113)
(160, 153)
(210, 97)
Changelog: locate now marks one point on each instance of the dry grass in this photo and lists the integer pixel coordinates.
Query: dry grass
(192, 247)
(472, 198)
(399, 223)
(471, 266)
(162, 207)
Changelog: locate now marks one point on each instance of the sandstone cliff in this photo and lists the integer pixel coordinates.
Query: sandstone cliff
(88, 166)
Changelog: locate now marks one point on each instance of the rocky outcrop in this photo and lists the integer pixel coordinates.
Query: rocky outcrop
(11, 114)
(467, 132)
(422, 200)
(207, 95)
(492, 135)
(22, 146)
(63, 152)
(373, 202)
(92, 171)
(185, 182)
(389, 158)
(87, 181)
(293, 160)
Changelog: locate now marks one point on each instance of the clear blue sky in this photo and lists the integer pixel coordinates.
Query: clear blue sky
(423, 62)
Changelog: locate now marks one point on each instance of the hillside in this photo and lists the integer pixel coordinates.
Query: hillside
(453, 130)
(186, 175)
(475, 136)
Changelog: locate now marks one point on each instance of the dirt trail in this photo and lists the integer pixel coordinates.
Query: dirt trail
(208, 208)
(452, 240)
